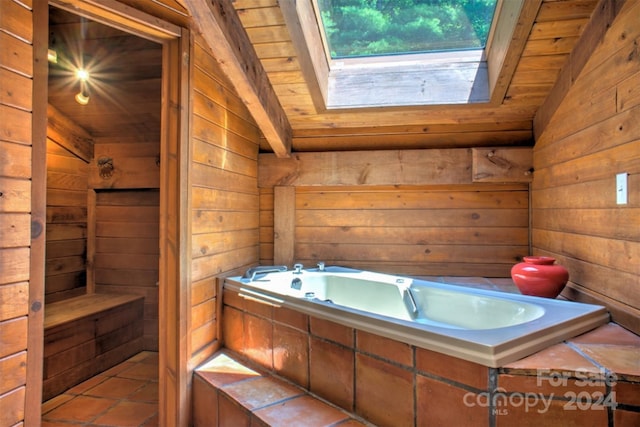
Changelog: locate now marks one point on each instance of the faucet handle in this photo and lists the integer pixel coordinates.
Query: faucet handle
(321, 266)
(298, 268)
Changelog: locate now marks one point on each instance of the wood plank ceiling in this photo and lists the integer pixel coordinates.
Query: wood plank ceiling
(557, 26)
(125, 78)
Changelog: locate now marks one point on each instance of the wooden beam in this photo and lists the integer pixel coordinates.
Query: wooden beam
(504, 164)
(592, 35)
(122, 17)
(284, 225)
(37, 254)
(392, 167)
(218, 23)
(68, 134)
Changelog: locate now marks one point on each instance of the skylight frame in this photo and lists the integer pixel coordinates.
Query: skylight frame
(512, 22)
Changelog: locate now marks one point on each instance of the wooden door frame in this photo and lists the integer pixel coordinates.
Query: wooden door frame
(174, 199)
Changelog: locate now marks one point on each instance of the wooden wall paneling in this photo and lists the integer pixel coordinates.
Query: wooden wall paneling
(622, 158)
(595, 29)
(127, 260)
(413, 196)
(14, 334)
(575, 217)
(15, 298)
(14, 230)
(66, 133)
(237, 58)
(413, 229)
(212, 243)
(135, 165)
(208, 70)
(14, 402)
(619, 255)
(16, 160)
(18, 20)
(14, 372)
(224, 218)
(17, 54)
(595, 106)
(629, 93)
(419, 224)
(15, 90)
(205, 302)
(66, 200)
(15, 195)
(237, 143)
(21, 205)
(603, 135)
(15, 265)
(17, 123)
(217, 112)
(203, 323)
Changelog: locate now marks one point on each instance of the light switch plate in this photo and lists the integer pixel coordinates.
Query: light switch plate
(621, 188)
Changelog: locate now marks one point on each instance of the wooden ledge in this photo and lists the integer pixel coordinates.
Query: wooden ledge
(61, 312)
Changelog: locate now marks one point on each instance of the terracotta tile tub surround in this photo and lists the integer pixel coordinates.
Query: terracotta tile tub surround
(591, 379)
(483, 326)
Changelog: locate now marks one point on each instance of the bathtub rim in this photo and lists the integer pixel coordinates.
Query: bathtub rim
(489, 347)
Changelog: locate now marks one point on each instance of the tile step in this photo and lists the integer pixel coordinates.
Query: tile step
(230, 390)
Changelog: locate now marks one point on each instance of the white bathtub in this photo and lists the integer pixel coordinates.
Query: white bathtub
(486, 327)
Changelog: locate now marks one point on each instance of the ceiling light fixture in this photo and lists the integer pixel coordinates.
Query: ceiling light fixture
(52, 56)
(82, 98)
(82, 74)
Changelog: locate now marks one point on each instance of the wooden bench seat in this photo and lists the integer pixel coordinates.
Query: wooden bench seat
(89, 334)
(230, 390)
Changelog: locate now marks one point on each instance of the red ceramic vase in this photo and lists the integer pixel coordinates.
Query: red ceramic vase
(539, 276)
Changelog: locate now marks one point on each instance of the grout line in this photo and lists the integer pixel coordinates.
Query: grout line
(578, 350)
(117, 400)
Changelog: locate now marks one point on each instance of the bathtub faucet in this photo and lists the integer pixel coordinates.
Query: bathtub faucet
(263, 269)
(297, 268)
(321, 266)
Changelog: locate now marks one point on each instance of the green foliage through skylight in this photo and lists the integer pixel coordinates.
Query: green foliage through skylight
(386, 27)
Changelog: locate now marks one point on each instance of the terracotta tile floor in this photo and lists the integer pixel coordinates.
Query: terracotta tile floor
(125, 395)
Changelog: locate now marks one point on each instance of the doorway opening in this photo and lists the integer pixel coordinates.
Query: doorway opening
(113, 175)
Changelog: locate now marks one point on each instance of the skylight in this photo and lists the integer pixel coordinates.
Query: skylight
(399, 53)
(357, 28)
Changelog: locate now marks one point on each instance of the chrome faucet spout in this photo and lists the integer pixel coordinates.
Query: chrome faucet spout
(263, 269)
